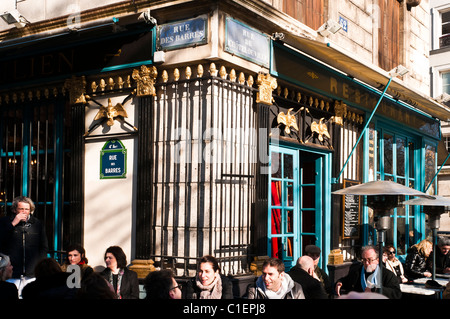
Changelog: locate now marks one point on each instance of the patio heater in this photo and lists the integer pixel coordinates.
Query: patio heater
(434, 208)
(382, 197)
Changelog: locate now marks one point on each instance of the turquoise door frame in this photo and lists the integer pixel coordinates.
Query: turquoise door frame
(301, 234)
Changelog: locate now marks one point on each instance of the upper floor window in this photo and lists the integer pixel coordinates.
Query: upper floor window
(444, 40)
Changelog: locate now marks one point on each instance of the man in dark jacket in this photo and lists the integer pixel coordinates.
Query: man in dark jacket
(303, 273)
(365, 277)
(274, 283)
(23, 239)
(443, 256)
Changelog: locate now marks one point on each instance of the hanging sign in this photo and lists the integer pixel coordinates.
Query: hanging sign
(351, 215)
(113, 160)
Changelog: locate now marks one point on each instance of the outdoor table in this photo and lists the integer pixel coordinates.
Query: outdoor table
(418, 288)
(440, 281)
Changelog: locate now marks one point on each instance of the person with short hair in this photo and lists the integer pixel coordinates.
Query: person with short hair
(303, 273)
(274, 283)
(8, 291)
(23, 239)
(443, 256)
(365, 277)
(161, 285)
(124, 281)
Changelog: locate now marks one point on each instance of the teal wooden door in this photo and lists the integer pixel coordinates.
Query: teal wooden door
(295, 202)
(284, 205)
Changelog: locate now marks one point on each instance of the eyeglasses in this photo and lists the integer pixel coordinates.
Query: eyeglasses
(179, 287)
(391, 252)
(368, 260)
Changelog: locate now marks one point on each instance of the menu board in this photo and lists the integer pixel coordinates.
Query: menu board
(351, 208)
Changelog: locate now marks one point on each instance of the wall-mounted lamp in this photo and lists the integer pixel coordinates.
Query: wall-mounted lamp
(398, 71)
(14, 17)
(329, 27)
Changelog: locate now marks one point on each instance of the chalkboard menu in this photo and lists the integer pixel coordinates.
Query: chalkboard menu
(350, 213)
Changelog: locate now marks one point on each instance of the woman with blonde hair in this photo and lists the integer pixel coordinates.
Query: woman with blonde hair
(417, 263)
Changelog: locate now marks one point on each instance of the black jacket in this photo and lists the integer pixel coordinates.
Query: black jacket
(312, 288)
(129, 288)
(12, 239)
(352, 282)
(442, 261)
(49, 287)
(416, 264)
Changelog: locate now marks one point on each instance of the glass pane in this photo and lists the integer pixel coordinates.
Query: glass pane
(390, 232)
(430, 165)
(308, 240)
(388, 152)
(308, 172)
(289, 247)
(276, 193)
(411, 159)
(277, 247)
(290, 193)
(411, 232)
(308, 221)
(289, 221)
(401, 211)
(378, 156)
(401, 236)
(372, 141)
(275, 165)
(276, 221)
(308, 197)
(288, 168)
(400, 143)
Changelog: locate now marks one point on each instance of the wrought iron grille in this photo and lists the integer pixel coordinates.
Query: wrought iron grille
(204, 151)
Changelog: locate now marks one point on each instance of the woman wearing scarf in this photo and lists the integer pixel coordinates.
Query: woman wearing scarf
(76, 255)
(209, 283)
(124, 281)
(394, 265)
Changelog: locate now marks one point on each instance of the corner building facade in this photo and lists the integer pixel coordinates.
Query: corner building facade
(177, 129)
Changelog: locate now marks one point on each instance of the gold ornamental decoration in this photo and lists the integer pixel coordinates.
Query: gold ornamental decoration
(145, 79)
(266, 84)
(110, 112)
(77, 89)
(289, 120)
(321, 129)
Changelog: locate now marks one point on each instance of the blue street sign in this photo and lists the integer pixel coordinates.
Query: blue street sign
(113, 160)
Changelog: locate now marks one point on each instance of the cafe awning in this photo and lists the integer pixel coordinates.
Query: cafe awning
(350, 64)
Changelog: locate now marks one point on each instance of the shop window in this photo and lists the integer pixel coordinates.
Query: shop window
(395, 161)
